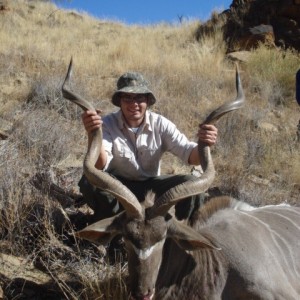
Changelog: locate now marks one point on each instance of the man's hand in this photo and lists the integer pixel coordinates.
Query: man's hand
(208, 134)
(91, 120)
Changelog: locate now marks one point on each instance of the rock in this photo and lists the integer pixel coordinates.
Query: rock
(267, 127)
(5, 128)
(239, 56)
(13, 266)
(262, 34)
(3, 7)
(259, 180)
(21, 280)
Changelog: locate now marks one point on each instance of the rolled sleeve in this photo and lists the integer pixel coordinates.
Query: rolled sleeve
(176, 142)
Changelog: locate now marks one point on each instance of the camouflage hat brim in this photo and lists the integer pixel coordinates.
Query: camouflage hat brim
(133, 90)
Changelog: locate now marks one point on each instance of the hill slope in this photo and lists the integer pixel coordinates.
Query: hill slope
(42, 141)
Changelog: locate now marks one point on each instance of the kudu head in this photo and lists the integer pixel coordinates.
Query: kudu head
(145, 226)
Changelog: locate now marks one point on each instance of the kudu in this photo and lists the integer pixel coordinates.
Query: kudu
(242, 252)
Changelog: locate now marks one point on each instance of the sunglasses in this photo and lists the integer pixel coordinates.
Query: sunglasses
(138, 98)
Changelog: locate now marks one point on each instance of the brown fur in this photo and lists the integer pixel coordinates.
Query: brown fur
(212, 206)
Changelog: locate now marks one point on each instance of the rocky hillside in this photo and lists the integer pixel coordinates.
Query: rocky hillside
(250, 22)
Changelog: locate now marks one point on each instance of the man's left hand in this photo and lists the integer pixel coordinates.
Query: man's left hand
(208, 134)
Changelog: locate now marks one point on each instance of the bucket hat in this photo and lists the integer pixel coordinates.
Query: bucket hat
(132, 82)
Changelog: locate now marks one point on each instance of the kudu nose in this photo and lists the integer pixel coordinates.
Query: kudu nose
(147, 296)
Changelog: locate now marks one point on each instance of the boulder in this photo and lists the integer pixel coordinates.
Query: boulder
(258, 34)
(239, 56)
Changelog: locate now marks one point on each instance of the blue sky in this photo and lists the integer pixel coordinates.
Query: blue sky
(147, 12)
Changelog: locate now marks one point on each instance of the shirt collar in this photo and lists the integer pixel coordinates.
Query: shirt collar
(146, 122)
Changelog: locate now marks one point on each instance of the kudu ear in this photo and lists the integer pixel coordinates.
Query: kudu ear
(102, 231)
(187, 238)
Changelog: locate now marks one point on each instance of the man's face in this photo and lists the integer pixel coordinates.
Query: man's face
(133, 106)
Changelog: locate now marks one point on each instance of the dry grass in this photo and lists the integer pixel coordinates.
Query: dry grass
(257, 156)
(273, 74)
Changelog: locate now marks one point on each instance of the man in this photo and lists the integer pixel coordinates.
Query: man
(134, 140)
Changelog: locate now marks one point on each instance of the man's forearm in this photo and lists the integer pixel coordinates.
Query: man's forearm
(194, 158)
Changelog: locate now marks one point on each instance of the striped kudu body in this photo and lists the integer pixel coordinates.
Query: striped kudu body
(229, 250)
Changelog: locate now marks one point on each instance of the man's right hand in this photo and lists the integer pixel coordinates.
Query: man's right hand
(91, 120)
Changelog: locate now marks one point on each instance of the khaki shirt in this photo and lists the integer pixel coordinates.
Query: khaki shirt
(137, 156)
